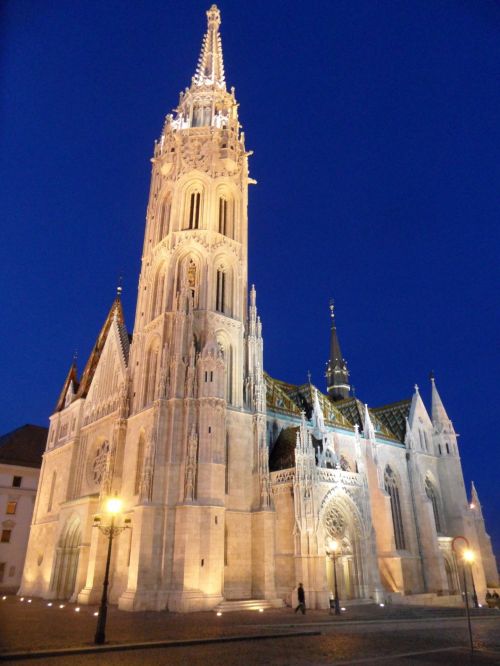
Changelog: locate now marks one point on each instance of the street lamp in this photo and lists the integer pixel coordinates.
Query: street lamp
(333, 546)
(469, 557)
(113, 507)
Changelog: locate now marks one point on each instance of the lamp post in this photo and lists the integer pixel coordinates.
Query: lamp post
(468, 557)
(113, 507)
(332, 552)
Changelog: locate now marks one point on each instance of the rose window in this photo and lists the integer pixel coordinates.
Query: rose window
(335, 523)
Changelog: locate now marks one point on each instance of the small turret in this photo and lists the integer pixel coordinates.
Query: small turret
(337, 374)
(440, 419)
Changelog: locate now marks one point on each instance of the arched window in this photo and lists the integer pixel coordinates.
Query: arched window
(220, 291)
(139, 464)
(447, 447)
(226, 208)
(193, 221)
(431, 494)
(151, 373)
(391, 487)
(222, 215)
(439, 448)
(164, 219)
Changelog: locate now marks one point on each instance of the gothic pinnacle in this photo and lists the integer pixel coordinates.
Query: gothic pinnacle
(210, 67)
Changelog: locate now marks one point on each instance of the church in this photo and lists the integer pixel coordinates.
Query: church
(235, 485)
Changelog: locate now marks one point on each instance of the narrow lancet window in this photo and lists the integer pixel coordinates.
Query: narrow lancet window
(220, 291)
(223, 216)
(194, 210)
(391, 487)
(431, 494)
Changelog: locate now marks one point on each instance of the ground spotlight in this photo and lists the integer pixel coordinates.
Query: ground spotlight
(4, 598)
(381, 605)
(29, 601)
(61, 605)
(343, 609)
(77, 609)
(219, 613)
(96, 613)
(50, 603)
(21, 599)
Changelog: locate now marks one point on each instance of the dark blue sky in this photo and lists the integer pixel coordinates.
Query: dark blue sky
(376, 139)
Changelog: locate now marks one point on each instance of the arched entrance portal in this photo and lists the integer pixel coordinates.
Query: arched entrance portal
(342, 524)
(66, 561)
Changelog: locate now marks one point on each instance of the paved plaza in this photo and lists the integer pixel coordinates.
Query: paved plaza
(362, 634)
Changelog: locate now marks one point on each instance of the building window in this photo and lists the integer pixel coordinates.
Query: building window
(222, 216)
(5, 536)
(431, 494)
(391, 487)
(439, 448)
(220, 291)
(11, 508)
(194, 210)
(164, 219)
(447, 447)
(16, 481)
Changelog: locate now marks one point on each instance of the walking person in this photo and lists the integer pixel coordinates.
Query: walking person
(302, 599)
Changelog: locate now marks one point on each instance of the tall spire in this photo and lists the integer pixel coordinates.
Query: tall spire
(210, 68)
(337, 374)
(440, 419)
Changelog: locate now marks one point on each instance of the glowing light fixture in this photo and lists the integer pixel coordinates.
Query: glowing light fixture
(381, 605)
(261, 610)
(343, 609)
(219, 614)
(77, 609)
(29, 601)
(4, 598)
(468, 555)
(333, 545)
(21, 599)
(96, 614)
(472, 505)
(49, 604)
(61, 605)
(114, 505)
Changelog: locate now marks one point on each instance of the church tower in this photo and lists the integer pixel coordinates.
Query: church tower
(196, 360)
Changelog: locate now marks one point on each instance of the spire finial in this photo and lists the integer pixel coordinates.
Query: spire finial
(210, 68)
(332, 308)
(416, 388)
(431, 376)
(309, 376)
(75, 356)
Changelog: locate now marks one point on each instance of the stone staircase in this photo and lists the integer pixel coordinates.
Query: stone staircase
(247, 605)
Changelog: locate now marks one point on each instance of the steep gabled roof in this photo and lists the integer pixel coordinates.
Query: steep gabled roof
(277, 397)
(89, 371)
(353, 410)
(394, 417)
(23, 446)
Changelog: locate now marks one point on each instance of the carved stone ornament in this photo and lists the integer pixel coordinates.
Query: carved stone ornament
(335, 523)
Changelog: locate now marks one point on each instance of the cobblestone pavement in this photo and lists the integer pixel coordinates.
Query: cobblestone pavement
(361, 633)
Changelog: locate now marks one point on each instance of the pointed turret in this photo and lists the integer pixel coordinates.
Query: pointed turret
(70, 386)
(210, 68)
(337, 374)
(474, 499)
(368, 429)
(440, 419)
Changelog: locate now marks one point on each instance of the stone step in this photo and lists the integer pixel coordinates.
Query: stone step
(246, 604)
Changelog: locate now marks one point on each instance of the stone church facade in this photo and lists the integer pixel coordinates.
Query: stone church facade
(234, 482)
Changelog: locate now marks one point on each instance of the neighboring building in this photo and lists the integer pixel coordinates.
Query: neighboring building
(183, 423)
(20, 460)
